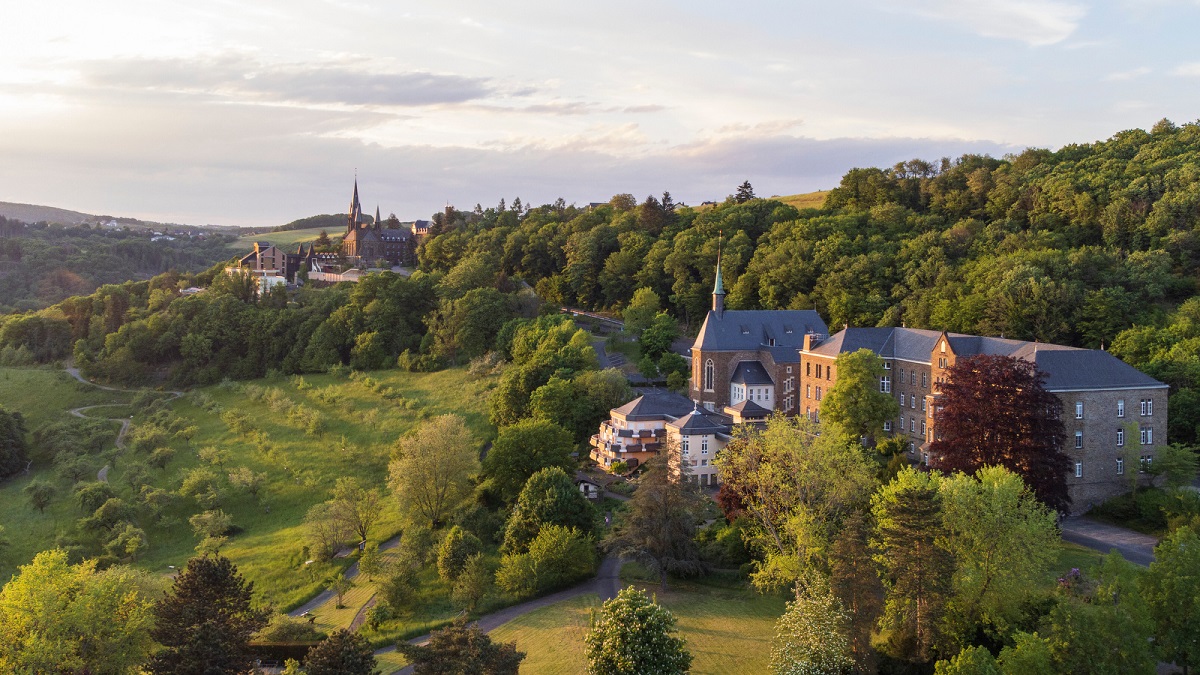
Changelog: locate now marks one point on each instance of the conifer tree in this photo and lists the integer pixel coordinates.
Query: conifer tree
(206, 620)
(854, 579)
(917, 569)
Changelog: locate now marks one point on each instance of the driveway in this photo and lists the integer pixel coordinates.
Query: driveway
(1135, 547)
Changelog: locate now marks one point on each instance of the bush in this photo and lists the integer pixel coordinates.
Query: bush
(456, 549)
(420, 363)
(557, 557)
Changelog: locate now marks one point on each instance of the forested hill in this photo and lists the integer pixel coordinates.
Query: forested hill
(1091, 245)
(43, 264)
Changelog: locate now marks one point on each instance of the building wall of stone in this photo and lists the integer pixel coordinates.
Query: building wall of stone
(724, 363)
(806, 389)
(1098, 456)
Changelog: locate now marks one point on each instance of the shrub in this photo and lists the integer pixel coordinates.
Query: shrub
(456, 549)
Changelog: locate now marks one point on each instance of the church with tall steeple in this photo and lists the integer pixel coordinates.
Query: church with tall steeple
(748, 360)
(370, 244)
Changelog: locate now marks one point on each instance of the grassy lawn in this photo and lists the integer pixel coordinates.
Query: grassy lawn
(282, 239)
(728, 628)
(359, 426)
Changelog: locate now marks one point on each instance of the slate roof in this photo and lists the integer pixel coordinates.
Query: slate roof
(1066, 368)
(749, 408)
(1081, 369)
(698, 422)
(751, 372)
(750, 330)
(655, 404)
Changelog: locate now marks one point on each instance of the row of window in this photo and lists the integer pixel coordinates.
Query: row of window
(703, 445)
(1146, 436)
(1144, 463)
(1146, 407)
(912, 378)
(808, 370)
(808, 391)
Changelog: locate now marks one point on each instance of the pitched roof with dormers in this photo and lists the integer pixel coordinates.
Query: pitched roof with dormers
(700, 422)
(1066, 368)
(655, 404)
(780, 332)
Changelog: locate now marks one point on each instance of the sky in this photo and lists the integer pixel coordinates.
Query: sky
(258, 112)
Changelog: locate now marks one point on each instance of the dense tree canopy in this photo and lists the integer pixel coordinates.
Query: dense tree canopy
(995, 411)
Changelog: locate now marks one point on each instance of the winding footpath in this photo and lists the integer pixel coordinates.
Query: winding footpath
(606, 583)
(102, 475)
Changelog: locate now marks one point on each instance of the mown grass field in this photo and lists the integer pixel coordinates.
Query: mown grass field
(359, 426)
(728, 629)
(288, 238)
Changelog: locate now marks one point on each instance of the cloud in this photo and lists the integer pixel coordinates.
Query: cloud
(242, 78)
(1188, 70)
(1036, 22)
(1123, 75)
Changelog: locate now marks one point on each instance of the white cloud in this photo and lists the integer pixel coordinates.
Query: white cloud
(1036, 22)
(1188, 69)
(1124, 75)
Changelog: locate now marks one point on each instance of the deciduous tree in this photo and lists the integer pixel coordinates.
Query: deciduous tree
(13, 446)
(811, 636)
(995, 411)
(659, 528)
(342, 653)
(548, 498)
(1172, 592)
(797, 480)
(523, 449)
(461, 650)
(632, 635)
(356, 506)
(62, 618)
(855, 403)
(40, 493)
(431, 469)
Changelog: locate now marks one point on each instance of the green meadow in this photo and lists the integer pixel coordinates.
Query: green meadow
(285, 239)
(358, 418)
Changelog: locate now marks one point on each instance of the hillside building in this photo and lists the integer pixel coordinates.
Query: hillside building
(748, 364)
(364, 244)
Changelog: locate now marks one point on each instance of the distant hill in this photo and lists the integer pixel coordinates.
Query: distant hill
(808, 200)
(33, 213)
(330, 222)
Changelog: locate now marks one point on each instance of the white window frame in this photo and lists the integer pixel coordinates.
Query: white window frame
(1120, 407)
(887, 425)
(1078, 410)
(1079, 469)
(1078, 439)
(885, 384)
(1120, 467)
(1120, 437)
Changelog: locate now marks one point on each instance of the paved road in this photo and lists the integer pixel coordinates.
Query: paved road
(606, 583)
(325, 596)
(1136, 547)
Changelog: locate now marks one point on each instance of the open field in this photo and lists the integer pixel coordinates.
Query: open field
(728, 629)
(289, 238)
(360, 418)
(808, 200)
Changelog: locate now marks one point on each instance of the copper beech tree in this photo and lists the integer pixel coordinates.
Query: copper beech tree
(995, 411)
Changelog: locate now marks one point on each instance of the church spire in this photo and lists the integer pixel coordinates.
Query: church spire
(355, 208)
(719, 287)
(377, 225)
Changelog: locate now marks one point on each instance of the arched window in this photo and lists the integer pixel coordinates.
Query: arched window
(708, 375)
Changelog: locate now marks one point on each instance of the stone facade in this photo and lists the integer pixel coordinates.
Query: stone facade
(1095, 380)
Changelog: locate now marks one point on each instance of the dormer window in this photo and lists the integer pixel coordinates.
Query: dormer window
(745, 330)
(770, 342)
(787, 329)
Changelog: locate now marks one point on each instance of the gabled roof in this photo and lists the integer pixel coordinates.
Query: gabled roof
(702, 422)
(655, 404)
(751, 372)
(738, 330)
(1066, 368)
(749, 408)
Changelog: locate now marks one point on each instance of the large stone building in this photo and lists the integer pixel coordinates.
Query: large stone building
(366, 244)
(750, 355)
(746, 364)
(1108, 405)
